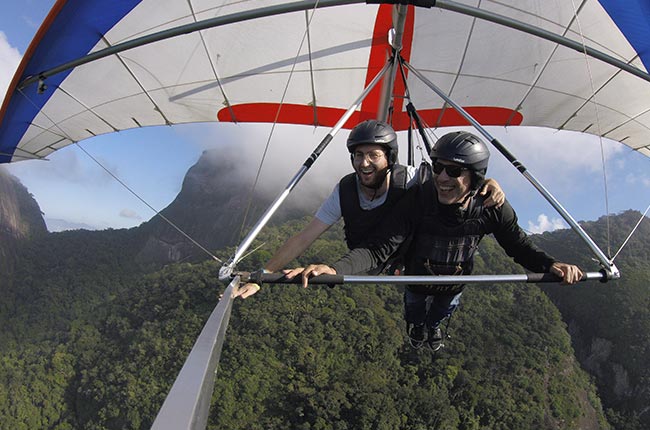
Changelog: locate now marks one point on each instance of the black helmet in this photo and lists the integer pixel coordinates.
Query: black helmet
(375, 132)
(465, 149)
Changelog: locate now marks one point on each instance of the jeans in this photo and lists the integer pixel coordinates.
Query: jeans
(429, 309)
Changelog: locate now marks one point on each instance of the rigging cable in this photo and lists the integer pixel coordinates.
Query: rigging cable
(129, 189)
(425, 133)
(96, 161)
(275, 120)
(631, 233)
(598, 125)
(410, 109)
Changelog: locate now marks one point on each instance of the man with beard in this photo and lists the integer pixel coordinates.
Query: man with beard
(442, 222)
(362, 198)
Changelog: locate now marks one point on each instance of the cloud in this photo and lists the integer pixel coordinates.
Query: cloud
(130, 214)
(558, 159)
(67, 167)
(559, 150)
(634, 179)
(9, 60)
(244, 147)
(30, 22)
(55, 224)
(544, 224)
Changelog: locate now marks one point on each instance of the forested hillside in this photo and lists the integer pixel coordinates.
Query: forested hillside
(610, 323)
(105, 354)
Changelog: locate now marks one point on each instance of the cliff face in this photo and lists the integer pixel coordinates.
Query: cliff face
(20, 215)
(609, 323)
(20, 219)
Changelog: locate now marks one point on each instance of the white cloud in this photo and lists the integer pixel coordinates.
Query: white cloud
(9, 60)
(66, 167)
(544, 224)
(54, 224)
(131, 214)
(560, 150)
(634, 179)
(288, 148)
(560, 160)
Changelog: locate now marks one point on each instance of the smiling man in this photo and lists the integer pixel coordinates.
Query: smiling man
(443, 221)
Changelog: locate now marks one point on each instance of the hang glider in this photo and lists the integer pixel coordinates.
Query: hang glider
(236, 68)
(96, 67)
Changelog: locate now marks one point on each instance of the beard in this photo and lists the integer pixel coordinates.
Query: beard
(376, 180)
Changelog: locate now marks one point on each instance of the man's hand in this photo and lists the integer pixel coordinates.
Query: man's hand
(569, 273)
(495, 195)
(247, 290)
(308, 272)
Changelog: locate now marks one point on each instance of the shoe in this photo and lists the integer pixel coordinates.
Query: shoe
(435, 339)
(417, 336)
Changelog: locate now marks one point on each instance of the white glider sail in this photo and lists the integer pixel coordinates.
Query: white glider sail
(238, 71)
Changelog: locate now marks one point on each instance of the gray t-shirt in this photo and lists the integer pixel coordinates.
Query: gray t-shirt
(330, 211)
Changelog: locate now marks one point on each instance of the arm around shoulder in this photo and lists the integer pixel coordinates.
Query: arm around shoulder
(493, 192)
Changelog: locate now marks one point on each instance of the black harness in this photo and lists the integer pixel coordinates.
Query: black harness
(445, 241)
(360, 223)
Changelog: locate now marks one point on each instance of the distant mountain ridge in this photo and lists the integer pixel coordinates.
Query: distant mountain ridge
(609, 323)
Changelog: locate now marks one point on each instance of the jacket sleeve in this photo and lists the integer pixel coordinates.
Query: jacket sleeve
(516, 243)
(388, 237)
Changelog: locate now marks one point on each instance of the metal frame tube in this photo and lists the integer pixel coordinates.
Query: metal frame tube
(605, 261)
(448, 280)
(186, 29)
(227, 269)
(187, 405)
(464, 279)
(399, 19)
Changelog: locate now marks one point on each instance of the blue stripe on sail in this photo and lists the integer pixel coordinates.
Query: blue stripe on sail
(632, 17)
(78, 27)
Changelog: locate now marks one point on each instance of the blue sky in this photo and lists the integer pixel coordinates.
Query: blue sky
(73, 189)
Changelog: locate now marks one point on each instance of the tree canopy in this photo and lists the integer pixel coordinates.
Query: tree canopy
(92, 340)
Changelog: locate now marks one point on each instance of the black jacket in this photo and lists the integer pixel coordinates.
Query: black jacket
(420, 227)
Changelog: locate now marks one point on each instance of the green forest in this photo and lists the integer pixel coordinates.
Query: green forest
(91, 339)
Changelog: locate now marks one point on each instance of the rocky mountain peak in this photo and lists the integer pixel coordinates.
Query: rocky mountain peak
(20, 215)
(211, 206)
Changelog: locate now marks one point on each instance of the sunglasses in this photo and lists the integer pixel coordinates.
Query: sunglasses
(452, 171)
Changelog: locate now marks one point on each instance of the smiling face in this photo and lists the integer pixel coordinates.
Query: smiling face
(452, 190)
(371, 165)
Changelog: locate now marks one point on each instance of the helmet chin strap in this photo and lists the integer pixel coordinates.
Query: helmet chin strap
(467, 197)
(477, 184)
